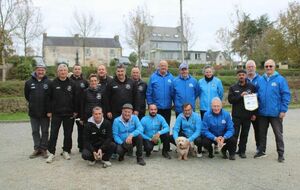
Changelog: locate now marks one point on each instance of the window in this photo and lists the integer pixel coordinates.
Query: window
(154, 34)
(159, 35)
(112, 53)
(176, 36)
(88, 52)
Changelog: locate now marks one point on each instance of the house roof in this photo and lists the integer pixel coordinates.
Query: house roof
(159, 33)
(78, 41)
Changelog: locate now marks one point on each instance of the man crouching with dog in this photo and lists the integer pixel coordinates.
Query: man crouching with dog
(186, 132)
(98, 144)
(155, 129)
(218, 129)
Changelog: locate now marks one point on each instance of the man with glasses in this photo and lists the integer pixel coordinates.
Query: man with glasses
(274, 97)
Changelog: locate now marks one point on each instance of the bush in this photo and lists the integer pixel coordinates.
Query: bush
(12, 89)
(24, 70)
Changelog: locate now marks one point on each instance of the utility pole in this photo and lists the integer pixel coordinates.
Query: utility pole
(181, 32)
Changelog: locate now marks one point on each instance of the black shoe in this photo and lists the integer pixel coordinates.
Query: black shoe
(148, 153)
(210, 155)
(232, 157)
(166, 154)
(242, 155)
(224, 153)
(121, 157)
(281, 159)
(141, 161)
(260, 155)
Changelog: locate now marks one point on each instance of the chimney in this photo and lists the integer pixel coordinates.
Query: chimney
(116, 37)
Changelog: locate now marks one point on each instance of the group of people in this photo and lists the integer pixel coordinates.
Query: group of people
(110, 112)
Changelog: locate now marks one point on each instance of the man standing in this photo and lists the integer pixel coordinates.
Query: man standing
(218, 129)
(98, 143)
(159, 90)
(81, 84)
(127, 131)
(252, 77)
(240, 116)
(274, 97)
(141, 88)
(37, 94)
(104, 79)
(155, 129)
(119, 91)
(185, 89)
(188, 124)
(63, 110)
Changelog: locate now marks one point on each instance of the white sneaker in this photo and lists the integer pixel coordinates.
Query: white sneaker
(106, 163)
(91, 163)
(50, 158)
(156, 148)
(199, 155)
(66, 155)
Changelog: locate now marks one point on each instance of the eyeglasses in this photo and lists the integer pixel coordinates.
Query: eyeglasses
(268, 66)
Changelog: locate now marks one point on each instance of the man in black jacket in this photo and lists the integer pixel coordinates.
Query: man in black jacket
(98, 144)
(81, 84)
(119, 91)
(63, 110)
(37, 92)
(240, 116)
(141, 88)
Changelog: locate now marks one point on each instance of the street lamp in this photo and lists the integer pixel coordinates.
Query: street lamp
(181, 32)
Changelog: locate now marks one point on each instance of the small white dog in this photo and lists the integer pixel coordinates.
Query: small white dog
(183, 147)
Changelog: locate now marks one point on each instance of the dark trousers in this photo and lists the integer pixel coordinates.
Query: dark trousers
(136, 141)
(276, 124)
(40, 140)
(80, 135)
(165, 139)
(241, 129)
(106, 150)
(256, 131)
(166, 113)
(68, 123)
(197, 141)
(230, 145)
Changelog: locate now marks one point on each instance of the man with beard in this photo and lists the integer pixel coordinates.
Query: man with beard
(155, 129)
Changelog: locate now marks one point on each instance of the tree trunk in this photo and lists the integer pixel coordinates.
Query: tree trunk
(3, 66)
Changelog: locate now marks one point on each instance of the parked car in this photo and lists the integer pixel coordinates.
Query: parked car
(145, 63)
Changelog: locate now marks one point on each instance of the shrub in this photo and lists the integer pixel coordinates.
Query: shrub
(24, 70)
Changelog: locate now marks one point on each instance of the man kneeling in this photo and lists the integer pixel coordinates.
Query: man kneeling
(98, 144)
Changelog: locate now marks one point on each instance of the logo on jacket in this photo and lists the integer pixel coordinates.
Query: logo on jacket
(45, 86)
(223, 121)
(69, 88)
(98, 96)
(191, 85)
(169, 81)
(103, 131)
(32, 86)
(127, 86)
(273, 84)
(213, 85)
(58, 87)
(82, 85)
(140, 88)
(115, 86)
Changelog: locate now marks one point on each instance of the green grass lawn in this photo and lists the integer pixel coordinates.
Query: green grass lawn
(19, 116)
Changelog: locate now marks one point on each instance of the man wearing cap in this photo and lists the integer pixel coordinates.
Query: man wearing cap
(63, 111)
(185, 89)
(240, 116)
(119, 91)
(81, 84)
(155, 129)
(159, 90)
(127, 131)
(274, 97)
(37, 94)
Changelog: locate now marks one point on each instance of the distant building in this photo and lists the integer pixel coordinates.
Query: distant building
(163, 43)
(85, 51)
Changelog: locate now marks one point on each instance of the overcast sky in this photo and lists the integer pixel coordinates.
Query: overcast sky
(207, 15)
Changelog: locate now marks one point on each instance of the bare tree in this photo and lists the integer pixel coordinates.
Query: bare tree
(85, 26)
(8, 24)
(30, 27)
(224, 38)
(188, 31)
(138, 29)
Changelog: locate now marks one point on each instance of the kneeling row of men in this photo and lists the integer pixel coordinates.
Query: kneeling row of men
(102, 140)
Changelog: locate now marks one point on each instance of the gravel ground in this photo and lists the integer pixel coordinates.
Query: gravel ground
(17, 171)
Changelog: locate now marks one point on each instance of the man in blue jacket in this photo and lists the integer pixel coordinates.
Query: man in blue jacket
(159, 90)
(185, 89)
(155, 129)
(188, 124)
(274, 97)
(218, 129)
(252, 77)
(127, 131)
